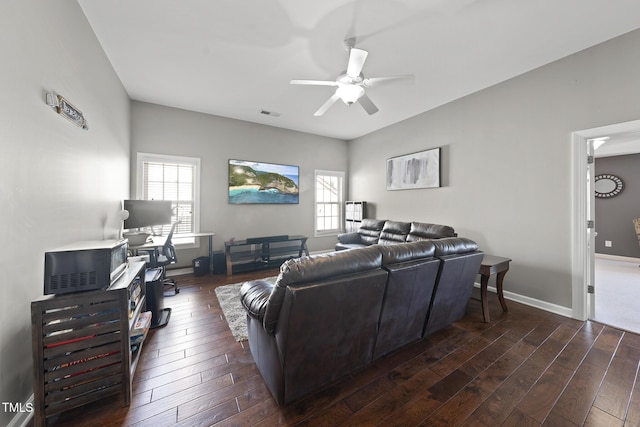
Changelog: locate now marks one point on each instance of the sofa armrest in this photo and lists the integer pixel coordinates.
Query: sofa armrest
(254, 296)
(349, 238)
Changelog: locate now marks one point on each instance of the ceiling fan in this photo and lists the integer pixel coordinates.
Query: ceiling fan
(351, 83)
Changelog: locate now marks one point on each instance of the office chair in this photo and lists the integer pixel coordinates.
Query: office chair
(167, 256)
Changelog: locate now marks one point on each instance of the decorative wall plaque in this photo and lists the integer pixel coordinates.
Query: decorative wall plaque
(66, 110)
(71, 113)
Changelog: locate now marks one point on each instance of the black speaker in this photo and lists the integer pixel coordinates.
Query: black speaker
(219, 263)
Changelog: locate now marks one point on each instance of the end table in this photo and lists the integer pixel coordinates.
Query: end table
(492, 264)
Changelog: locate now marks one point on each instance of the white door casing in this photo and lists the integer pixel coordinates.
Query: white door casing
(583, 253)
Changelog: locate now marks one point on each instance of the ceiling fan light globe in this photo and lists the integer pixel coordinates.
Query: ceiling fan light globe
(349, 93)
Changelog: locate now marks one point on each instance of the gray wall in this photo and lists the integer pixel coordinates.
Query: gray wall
(614, 215)
(507, 160)
(215, 140)
(58, 183)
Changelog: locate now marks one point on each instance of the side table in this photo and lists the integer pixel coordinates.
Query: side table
(492, 264)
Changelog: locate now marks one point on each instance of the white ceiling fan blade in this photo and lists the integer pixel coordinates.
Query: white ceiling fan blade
(356, 62)
(375, 81)
(367, 104)
(313, 82)
(327, 105)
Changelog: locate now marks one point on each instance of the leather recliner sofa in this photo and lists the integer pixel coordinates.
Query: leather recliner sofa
(386, 232)
(328, 315)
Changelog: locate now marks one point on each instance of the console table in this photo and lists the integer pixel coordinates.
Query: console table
(263, 252)
(492, 264)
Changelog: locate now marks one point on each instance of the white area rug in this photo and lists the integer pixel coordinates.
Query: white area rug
(234, 313)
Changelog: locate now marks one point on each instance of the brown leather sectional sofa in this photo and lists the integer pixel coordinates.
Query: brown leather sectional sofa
(331, 314)
(386, 232)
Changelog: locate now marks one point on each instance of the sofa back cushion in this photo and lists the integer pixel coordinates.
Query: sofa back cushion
(369, 230)
(315, 268)
(393, 254)
(328, 329)
(454, 245)
(453, 289)
(423, 231)
(460, 263)
(412, 277)
(394, 232)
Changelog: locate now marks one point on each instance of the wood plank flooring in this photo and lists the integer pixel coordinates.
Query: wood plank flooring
(525, 368)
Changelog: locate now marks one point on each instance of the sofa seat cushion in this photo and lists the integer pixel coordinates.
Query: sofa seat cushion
(254, 296)
(423, 231)
(394, 232)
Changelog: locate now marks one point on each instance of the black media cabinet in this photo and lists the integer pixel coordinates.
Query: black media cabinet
(263, 252)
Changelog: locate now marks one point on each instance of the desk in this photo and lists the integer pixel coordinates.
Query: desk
(158, 242)
(492, 264)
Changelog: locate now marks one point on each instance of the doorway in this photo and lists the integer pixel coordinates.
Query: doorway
(586, 271)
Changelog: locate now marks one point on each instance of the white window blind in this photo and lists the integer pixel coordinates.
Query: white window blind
(329, 201)
(171, 178)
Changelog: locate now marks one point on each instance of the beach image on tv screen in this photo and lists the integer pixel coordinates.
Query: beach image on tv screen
(257, 182)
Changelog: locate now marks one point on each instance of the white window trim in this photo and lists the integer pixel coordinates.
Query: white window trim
(341, 198)
(195, 161)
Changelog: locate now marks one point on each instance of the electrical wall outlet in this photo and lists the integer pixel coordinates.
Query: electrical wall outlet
(607, 243)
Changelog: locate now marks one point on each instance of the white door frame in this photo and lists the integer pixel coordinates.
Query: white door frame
(582, 253)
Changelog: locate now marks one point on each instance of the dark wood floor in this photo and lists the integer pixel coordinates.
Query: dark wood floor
(525, 368)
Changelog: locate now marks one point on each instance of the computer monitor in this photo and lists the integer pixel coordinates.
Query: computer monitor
(147, 213)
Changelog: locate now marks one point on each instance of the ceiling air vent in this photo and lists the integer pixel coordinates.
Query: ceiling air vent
(269, 113)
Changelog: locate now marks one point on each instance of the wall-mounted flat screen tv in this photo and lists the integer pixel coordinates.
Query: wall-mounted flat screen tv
(259, 182)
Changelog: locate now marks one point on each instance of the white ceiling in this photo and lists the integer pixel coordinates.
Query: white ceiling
(234, 58)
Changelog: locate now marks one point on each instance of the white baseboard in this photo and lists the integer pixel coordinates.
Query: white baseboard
(619, 258)
(532, 302)
(22, 419)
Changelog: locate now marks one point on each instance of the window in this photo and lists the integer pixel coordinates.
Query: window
(329, 202)
(163, 177)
